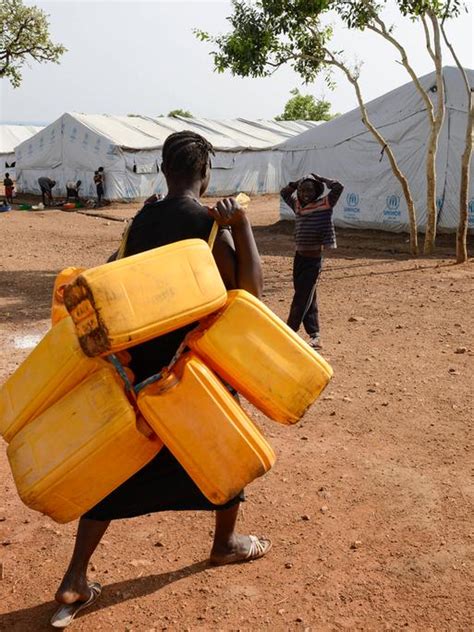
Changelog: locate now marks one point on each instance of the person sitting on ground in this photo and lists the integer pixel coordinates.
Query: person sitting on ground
(72, 190)
(9, 187)
(46, 186)
(314, 231)
(164, 485)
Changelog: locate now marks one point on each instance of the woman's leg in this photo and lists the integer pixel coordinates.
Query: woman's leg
(229, 546)
(74, 585)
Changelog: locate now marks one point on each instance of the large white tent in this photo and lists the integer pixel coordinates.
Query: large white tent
(345, 150)
(129, 149)
(10, 137)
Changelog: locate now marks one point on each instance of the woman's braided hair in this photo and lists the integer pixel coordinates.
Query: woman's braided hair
(186, 154)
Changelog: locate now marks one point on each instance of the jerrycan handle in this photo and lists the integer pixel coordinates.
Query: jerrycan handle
(213, 235)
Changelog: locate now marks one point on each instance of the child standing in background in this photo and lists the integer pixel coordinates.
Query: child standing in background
(314, 231)
(9, 186)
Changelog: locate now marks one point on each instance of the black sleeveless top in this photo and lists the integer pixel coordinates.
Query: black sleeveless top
(158, 224)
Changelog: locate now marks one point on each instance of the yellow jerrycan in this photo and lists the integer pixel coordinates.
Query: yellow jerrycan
(126, 302)
(55, 366)
(58, 309)
(206, 430)
(80, 449)
(261, 357)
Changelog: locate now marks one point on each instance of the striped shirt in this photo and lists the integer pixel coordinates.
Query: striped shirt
(314, 226)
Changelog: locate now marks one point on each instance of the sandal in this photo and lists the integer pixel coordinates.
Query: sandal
(67, 612)
(315, 343)
(259, 547)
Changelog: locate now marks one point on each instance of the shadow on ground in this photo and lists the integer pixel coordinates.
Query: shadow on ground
(112, 594)
(25, 296)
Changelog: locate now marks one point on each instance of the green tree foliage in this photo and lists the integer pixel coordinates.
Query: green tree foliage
(24, 36)
(304, 107)
(180, 112)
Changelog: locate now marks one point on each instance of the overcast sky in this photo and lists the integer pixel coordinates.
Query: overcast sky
(142, 57)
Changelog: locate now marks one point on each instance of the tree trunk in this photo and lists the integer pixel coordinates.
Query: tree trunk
(461, 236)
(431, 208)
(388, 150)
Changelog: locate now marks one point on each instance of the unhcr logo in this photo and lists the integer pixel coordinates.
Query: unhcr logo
(352, 199)
(393, 202)
(470, 212)
(352, 210)
(392, 207)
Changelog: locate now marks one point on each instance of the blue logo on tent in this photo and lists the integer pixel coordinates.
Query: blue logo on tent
(97, 146)
(85, 140)
(352, 199)
(392, 209)
(352, 210)
(73, 136)
(393, 202)
(470, 213)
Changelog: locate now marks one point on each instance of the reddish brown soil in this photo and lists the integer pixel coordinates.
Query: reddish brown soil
(370, 504)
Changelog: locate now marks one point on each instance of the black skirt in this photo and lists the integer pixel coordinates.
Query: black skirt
(162, 485)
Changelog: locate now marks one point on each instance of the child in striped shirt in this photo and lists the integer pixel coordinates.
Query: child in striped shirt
(314, 231)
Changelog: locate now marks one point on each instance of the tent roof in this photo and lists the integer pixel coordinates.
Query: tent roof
(395, 106)
(142, 132)
(13, 135)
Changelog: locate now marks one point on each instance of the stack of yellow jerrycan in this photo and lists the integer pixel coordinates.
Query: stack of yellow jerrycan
(73, 433)
(129, 301)
(206, 429)
(72, 421)
(261, 357)
(79, 450)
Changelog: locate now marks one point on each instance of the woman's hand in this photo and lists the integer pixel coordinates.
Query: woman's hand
(228, 212)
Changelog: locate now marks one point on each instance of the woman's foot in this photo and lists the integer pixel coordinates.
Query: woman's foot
(66, 613)
(74, 587)
(240, 548)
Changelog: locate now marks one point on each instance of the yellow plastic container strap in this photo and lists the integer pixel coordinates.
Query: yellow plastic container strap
(213, 235)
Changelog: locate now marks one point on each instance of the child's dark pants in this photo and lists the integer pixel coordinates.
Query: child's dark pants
(304, 307)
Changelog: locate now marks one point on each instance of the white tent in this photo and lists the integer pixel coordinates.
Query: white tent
(129, 149)
(10, 137)
(345, 150)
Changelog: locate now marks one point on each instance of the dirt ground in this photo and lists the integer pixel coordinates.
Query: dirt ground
(370, 503)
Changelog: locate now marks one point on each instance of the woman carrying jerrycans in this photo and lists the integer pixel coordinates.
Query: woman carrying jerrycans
(163, 485)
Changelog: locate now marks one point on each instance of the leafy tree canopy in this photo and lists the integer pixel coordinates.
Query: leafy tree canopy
(24, 36)
(304, 107)
(180, 112)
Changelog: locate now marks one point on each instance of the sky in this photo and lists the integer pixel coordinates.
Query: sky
(141, 57)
